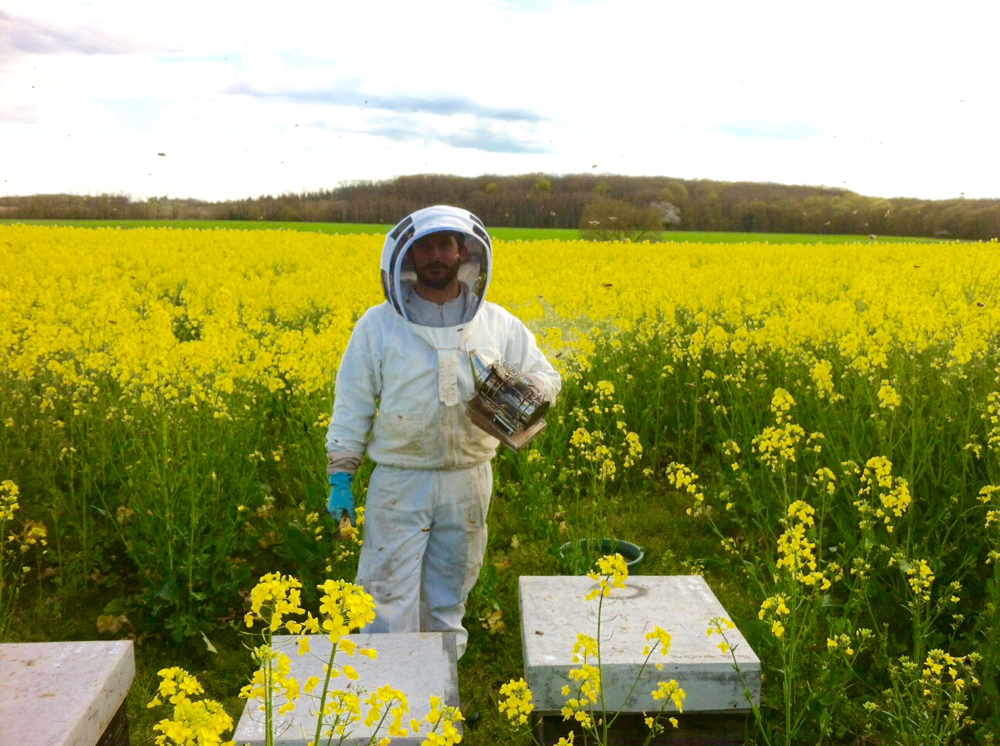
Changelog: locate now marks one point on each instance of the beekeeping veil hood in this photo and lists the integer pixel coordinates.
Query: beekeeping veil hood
(398, 275)
(399, 282)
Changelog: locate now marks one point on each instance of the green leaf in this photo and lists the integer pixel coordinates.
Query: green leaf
(170, 591)
(115, 607)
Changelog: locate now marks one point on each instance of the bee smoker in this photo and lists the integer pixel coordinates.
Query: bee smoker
(506, 405)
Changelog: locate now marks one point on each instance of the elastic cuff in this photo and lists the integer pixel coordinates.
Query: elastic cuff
(345, 461)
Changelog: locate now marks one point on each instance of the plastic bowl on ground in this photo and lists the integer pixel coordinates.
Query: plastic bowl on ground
(583, 553)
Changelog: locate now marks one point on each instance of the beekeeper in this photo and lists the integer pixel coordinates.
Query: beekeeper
(407, 368)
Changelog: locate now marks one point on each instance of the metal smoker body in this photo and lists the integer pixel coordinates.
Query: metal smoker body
(506, 404)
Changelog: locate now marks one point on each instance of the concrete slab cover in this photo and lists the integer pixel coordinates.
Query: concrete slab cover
(419, 664)
(62, 693)
(554, 610)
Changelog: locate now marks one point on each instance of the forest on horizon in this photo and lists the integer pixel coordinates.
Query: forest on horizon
(561, 201)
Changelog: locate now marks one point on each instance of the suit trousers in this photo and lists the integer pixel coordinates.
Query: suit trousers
(424, 542)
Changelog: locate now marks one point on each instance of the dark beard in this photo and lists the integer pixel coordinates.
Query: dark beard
(440, 282)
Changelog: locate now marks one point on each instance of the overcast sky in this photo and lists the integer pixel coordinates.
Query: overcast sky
(216, 99)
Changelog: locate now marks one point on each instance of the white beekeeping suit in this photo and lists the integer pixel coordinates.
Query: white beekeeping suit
(407, 369)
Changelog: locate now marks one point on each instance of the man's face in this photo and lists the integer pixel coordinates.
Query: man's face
(437, 259)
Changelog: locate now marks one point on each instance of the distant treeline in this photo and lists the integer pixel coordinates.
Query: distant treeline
(547, 201)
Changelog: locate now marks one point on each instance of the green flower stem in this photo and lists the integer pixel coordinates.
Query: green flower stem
(600, 674)
(326, 689)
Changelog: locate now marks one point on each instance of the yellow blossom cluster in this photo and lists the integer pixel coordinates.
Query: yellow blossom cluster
(778, 444)
(32, 533)
(992, 416)
(347, 606)
(385, 706)
(672, 690)
(821, 373)
(720, 626)
(824, 479)
(944, 682)
(655, 727)
(796, 553)
(591, 446)
(774, 608)
(605, 390)
(587, 694)
(844, 644)
(990, 497)
(442, 719)
(661, 639)
(587, 676)
(781, 405)
(13, 569)
(273, 598)
(9, 493)
(273, 678)
(803, 512)
(634, 449)
(731, 449)
(599, 448)
(931, 696)
(611, 572)
(585, 648)
(195, 722)
(920, 578)
(385, 699)
(941, 667)
(516, 704)
(341, 710)
(888, 397)
(840, 642)
(682, 479)
(893, 494)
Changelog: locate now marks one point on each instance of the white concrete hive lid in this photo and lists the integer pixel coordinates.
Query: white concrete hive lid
(58, 693)
(554, 610)
(421, 665)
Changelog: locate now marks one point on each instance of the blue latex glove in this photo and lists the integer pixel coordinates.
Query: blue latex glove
(341, 497)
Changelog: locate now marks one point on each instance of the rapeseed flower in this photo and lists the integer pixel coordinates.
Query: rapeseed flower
(888, 398)
(611, 573)
(684, 480)
(517, 703)
(720, 626)
(194, 722)
(273, 598)
(347, 606)
(920, 577)
(672, 690)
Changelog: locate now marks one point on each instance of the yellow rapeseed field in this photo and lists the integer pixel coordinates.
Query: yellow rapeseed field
(194, 314)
